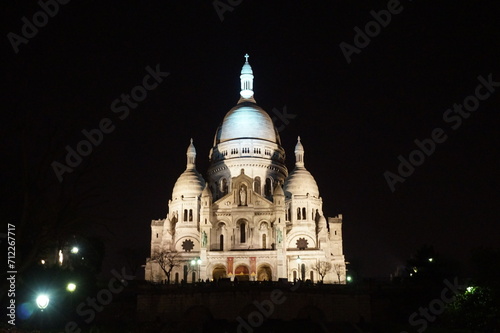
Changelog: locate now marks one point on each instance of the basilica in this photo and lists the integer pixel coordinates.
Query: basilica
(248, 218)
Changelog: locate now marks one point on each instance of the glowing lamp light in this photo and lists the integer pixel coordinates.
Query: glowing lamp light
(470, 289)
(431, 259)
(349, 279)
(42, 301)
(74, 250)
(42, 261)
(193, 262)
(199, 262)
(299, 260)
(71, 287)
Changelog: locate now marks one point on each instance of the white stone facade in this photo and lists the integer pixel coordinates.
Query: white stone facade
(249, 219)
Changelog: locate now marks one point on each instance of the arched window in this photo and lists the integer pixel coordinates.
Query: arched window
(268, 189)
(298, 213)
(311, 276)
(264, 245)
(303, 271)
(294, 275)
(185, 273)
(193, 277)
(185, 215)
(190, 215)
(221, 240)
(243, 232)
(304, 216)
(176, 277)
(256, 185)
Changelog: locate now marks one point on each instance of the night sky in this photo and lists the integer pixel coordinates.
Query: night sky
(354, 119)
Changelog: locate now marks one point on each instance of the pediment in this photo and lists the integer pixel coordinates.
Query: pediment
(241, 194)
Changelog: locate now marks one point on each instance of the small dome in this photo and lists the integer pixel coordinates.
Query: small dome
(299, 147)
(246, 69)
(206, 191)
(301, 182)
(278, 190)
(189, 184)
(191, 149)
(247, 120)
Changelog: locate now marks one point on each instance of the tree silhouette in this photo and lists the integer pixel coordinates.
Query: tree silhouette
(322, 267)
(167, 260)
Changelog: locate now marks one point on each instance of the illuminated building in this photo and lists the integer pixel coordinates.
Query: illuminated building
(249, 218)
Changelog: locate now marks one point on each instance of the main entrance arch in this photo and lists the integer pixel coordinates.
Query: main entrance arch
(264, 273)
(219, 272)
(242, 273)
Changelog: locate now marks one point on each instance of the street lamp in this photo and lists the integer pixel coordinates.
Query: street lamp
(195, 262)
(349, 278)
(42, 301)
(298, 266)
(74, 250)
(71, 287)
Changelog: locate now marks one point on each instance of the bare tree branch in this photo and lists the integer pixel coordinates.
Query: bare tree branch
(322, 267)
(167, 260)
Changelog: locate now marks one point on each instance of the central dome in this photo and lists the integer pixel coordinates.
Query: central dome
(246, 120)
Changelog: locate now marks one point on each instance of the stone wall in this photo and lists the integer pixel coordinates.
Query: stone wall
(273, 303)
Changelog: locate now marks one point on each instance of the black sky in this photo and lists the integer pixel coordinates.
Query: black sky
(354, 119)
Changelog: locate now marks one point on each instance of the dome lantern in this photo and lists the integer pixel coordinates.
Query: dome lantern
(191, 156)
(246, 78)
(299, 153)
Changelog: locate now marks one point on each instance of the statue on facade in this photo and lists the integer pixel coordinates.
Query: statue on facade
(204, 239)
(243, 196)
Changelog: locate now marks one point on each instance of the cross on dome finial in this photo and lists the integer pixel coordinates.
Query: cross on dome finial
(246, 57)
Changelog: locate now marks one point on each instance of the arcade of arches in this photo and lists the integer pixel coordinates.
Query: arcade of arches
(264, 273)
